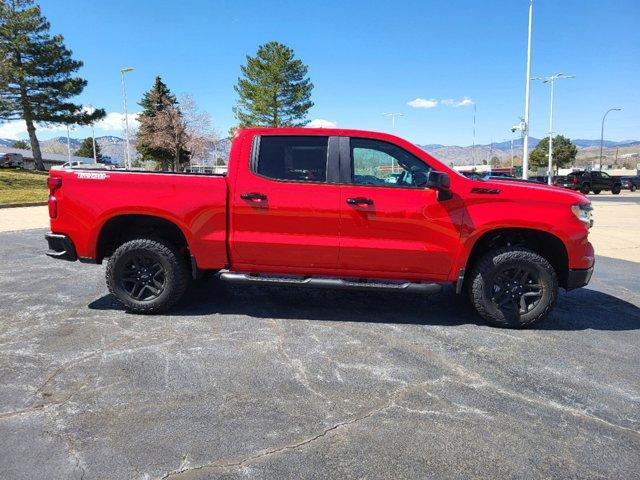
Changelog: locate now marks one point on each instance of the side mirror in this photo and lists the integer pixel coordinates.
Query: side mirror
(437, 180)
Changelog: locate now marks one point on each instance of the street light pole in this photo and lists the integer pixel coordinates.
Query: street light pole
(525, 146)
(511, 156)
(89, 109)
(393, 128)
(473, 148)
(602, 131)
(393, 119)
(68, 144)
(550, 80)
(127, 156)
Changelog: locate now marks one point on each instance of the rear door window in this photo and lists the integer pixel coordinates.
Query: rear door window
(293, 158)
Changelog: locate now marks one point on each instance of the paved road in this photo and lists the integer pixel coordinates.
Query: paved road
(286, 383)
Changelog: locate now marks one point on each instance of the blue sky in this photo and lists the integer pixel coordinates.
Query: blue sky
(371, 57)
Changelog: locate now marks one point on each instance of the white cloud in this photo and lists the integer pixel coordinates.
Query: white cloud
(17, 128)
(321, 123)
(450, 102)
(114, 122)
(12, 129)
(423, 103)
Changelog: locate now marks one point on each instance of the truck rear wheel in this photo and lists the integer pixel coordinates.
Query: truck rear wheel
(147, 276)
(616, 189)
(585, 188)
(513, 287)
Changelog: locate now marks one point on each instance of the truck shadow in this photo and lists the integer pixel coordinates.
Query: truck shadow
(577, 310)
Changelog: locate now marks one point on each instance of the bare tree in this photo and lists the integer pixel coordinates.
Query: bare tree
(200, 134)
(180, 129)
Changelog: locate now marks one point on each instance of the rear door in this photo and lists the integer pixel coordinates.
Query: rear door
(389, 226)
(285, 205)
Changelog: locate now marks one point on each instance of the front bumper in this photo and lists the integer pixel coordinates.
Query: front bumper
(60, 246)
(578, 278)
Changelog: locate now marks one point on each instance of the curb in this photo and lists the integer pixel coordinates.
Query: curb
(29, 204)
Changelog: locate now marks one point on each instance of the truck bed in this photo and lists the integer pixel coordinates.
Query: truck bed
(195, 202)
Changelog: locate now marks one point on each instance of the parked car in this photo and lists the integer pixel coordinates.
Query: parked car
(498, 175)
(508, 245)
(591, 181)
(630, 183)
(74, 163)
(11, 160)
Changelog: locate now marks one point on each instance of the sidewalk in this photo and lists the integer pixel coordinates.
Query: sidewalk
(23, 218)
(616, 229)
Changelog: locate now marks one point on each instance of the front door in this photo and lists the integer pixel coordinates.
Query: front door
(285, 206)
(389, 226)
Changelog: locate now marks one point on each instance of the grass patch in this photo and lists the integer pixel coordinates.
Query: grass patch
(22, 186)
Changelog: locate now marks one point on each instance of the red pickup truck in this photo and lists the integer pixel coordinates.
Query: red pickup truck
(333, 208)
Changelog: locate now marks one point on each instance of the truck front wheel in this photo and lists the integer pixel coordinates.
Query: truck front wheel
(147, 276)
(513, 287)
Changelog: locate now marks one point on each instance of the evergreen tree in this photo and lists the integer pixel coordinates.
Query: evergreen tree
(564, 152)
(86, 150)
(36, 73)
(152, 121)
(20, 144)
(274, 89)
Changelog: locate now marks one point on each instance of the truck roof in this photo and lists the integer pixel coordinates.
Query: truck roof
(316, 131)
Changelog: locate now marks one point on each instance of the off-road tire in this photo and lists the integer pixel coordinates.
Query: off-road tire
(597, 192)
(585, 188)
(633, 188)
(616, 189)
(481, 285)
(176, 275)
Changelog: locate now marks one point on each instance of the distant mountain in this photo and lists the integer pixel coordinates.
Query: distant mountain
(113, 146)
(580, 143)
(465, 155)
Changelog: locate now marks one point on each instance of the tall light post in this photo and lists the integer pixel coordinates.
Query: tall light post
(602, 131)
(393, 128)
(127, 156)
(550, 80)
(525, 144)
(69, 142)
(393, 119)
(518, 127)
(473, 148)
(89, 109)
(511, 140)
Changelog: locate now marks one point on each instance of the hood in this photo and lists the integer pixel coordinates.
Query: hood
(531, 190)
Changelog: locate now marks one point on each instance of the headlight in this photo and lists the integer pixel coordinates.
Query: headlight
(582, 211)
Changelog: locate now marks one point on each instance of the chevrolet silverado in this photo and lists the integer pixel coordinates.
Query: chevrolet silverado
(333, 208)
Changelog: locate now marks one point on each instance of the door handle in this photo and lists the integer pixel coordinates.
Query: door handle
(253, 196)
(359, 201)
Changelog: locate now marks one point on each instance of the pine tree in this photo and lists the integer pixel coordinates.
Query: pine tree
(152, 121)
(20, 144)
(36, 73)
(274, 89)
(86, 150)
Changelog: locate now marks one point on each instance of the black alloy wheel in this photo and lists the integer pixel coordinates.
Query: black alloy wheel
(141, 276)
(516, 289)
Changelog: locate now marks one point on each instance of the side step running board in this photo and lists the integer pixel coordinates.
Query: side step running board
(429, 288)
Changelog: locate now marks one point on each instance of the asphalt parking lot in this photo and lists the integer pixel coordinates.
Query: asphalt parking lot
(263, 382)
